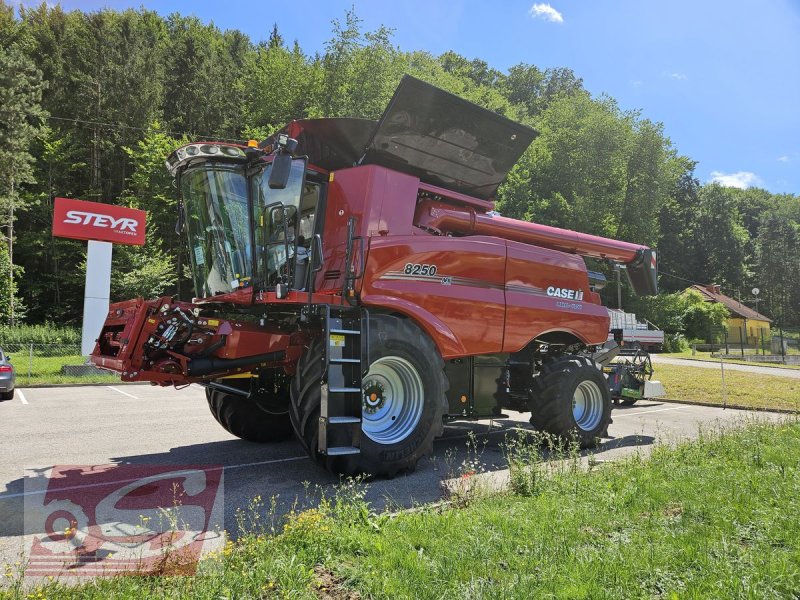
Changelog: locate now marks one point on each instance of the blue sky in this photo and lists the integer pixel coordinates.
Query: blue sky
(722, 75)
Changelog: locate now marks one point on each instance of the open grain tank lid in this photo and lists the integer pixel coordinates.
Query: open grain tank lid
(446, 140)
(427, 132)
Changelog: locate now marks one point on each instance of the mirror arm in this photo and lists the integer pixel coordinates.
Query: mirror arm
(181, 209)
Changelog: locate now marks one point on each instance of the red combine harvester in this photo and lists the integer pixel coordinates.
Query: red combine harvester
(354, 287)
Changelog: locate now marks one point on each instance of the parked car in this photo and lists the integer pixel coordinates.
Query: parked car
(7, 377)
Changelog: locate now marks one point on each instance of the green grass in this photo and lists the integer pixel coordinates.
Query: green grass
(716, 518)
(743, 389)
(47, 370)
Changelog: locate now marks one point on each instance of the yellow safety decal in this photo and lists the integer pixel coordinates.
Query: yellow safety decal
(337, 340)
(151, 321)
(238, 376)
(330, 176)
(213, 322)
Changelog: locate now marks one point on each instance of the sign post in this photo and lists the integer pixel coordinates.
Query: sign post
(102, 225)
(97, 293)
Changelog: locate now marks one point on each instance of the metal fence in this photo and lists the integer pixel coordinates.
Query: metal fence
(49, 363)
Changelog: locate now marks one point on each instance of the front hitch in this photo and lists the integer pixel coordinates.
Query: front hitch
(175, 343)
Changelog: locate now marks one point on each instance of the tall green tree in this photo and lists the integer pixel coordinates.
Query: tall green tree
(21, 120)
(721, 239)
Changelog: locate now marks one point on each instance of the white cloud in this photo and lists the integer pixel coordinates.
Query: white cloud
(784, 158)
(546, 12)
(677, 75)
(636, 83)
(740, 179)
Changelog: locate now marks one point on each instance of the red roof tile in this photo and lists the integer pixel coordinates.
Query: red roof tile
(711, 294)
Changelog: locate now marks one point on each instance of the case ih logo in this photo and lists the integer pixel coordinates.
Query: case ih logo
(122, 519)
(83, 220)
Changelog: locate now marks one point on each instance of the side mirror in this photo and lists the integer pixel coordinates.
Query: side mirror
(281, 169)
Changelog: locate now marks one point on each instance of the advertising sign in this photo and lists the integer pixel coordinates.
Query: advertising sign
(82, 220)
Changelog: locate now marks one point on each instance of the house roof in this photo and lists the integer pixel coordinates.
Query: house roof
(712, 294)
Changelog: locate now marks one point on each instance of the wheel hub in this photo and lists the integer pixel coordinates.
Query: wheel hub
(374, 397)
(587, 405)
(392, 400)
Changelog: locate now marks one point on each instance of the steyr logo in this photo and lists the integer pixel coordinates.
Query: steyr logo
(124, 225)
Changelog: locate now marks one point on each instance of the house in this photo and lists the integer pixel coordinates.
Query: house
(741, 318)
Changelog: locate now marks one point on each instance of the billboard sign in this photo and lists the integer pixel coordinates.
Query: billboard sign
(82, 220)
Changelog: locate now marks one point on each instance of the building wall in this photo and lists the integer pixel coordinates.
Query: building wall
(753, 334)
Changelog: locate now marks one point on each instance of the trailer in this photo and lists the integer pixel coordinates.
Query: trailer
(633, 334)
(355, 288)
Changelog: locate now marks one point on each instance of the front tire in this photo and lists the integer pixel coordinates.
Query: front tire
(403, 400)
(570, 399)
(262, 418)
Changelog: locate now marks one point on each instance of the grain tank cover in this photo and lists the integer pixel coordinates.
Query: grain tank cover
(336, 143)
(445, 140)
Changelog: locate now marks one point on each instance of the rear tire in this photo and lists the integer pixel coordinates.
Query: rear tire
(407, 367)
(570, 399)
(7, 395)
(261, 418)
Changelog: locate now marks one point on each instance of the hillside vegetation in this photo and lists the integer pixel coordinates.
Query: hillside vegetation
(95, 101)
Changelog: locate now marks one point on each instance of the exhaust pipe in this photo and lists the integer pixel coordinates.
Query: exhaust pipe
(198, 367)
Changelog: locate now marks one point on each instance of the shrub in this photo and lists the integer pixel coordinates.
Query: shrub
(39, 334)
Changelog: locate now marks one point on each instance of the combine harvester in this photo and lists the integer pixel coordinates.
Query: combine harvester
(355, 288)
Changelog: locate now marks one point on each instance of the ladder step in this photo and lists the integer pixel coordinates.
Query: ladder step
(344, 420)
(345, 360)
(344, 390)
(341, 450)
(346, 331)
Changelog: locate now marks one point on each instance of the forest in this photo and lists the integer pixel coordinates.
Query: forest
(92, 103)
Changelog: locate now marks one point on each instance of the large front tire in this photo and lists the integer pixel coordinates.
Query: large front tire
(262, 418)
(403, 400)
(570, 399)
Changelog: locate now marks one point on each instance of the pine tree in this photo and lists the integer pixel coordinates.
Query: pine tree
(21, 117)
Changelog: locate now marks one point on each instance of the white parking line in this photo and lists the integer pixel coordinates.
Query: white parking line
(181, 472)
(22, 397)
(111, 387)
(644, 412)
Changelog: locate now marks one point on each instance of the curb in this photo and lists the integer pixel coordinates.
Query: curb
(785, 411)
(740, 363)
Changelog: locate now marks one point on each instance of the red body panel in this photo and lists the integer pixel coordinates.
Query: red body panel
(486, 296)
(381, 200)
(530, 312)
(462, 306)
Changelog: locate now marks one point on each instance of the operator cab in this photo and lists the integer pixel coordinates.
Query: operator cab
(247, 227)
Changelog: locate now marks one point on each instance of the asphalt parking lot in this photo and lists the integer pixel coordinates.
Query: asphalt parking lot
(154, 428)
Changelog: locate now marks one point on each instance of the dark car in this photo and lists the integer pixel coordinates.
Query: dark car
(7, 377)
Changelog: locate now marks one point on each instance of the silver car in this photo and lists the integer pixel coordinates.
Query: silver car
(7, 377)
